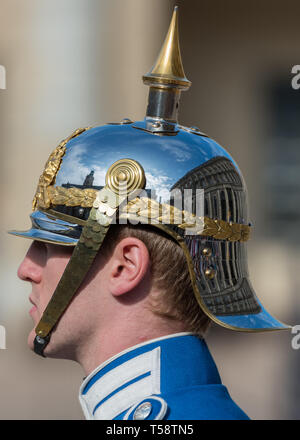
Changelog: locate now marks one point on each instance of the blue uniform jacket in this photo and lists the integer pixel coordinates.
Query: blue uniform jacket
(169, 378)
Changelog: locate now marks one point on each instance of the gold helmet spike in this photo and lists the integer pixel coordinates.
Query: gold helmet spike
(167, 79)
(168, 68)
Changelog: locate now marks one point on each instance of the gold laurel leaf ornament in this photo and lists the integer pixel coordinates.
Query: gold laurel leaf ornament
(42, 198)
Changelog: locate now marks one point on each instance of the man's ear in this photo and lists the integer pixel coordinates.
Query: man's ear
(130, 262)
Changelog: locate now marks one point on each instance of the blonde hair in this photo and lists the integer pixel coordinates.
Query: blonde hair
(170, 275)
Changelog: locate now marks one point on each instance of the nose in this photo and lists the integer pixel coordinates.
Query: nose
(32, 266)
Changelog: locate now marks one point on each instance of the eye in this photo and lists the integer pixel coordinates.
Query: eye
(39, 246)
(56, 250)
(38, 252)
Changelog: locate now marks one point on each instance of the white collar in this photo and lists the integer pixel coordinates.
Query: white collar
(111, 389)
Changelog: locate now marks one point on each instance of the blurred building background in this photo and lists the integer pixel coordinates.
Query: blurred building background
(74, 63)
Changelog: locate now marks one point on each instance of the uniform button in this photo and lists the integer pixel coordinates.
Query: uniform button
(142, 411)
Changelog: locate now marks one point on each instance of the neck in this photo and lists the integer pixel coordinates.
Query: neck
(121, 335)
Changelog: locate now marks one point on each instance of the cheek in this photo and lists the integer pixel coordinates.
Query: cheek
(53, 272)
(85, 309)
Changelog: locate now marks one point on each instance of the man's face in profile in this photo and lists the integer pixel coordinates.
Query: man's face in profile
(43, 267)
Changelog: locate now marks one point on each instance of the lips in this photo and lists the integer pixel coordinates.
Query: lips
(34, 308)
(32, 301)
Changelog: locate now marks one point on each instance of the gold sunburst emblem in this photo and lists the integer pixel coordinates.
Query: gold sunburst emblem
(125, 176)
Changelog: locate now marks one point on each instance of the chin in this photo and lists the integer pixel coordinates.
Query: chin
(55, 349)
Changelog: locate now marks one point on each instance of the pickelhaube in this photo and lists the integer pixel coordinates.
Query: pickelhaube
(155, 172)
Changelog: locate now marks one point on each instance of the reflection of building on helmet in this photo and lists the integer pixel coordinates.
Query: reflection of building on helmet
(227, 289)
(88, 181)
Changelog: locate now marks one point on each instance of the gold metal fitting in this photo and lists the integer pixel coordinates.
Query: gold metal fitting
(206, 252)
(125, 176)
(210, 273)
(168, 69)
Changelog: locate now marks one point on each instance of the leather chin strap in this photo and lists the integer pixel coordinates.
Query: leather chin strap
(40, 344)
(84, 254)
